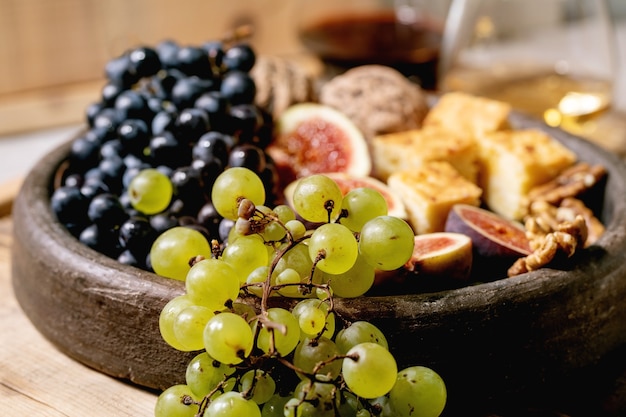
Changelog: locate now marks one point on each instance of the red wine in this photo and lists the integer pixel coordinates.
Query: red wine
(377, 38)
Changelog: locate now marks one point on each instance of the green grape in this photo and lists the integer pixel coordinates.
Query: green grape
(311, 352)
(386, 242)
(232, 404)
(204, 373)
(316, 304)
(245, 254)
(372, 373)
(231, 186)
(273, 232)
(296, 228)
(363, 413)
(175, 402)
(317, 198)
(189, 326)
(360, 206)
(354, 282)
(348, 404)
(312, 320)
(261, 384)
(173, 249)
(296, 258)
(312, 317)
(359, 332)
(150, 191)
(418, 392)
(284, 213)
(274, 407)
(244, 310)
(167, 317)
(322, 395)
(211, 283)
(258, 276)
(286, 337)
(324, 293)
(228, 338)
(289, 276)
(337, 246)
(296, 408)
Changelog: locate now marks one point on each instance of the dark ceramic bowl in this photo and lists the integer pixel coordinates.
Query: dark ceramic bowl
(545, 338)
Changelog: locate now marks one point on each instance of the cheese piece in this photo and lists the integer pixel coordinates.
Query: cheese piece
(429, 192)
(514, 161)
(466, 114)
(410, 149)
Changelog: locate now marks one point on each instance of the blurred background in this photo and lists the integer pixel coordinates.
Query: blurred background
(52, 54)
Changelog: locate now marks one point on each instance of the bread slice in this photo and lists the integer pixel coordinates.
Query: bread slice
(514, 161)
(408, 150)
(467, 114)
(429, 192)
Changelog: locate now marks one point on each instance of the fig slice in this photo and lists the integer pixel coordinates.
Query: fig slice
(312, 138)
(492, 235)
(497, 242)
(442, 254)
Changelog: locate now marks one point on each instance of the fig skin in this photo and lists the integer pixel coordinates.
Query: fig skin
(497, 242)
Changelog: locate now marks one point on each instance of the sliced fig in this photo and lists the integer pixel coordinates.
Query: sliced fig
(497, 242)
(312, 138)
(440, 261)
(492, 235)
(347, 182)
(442, 254)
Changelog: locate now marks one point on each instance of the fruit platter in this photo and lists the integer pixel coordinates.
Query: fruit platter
(487, 247)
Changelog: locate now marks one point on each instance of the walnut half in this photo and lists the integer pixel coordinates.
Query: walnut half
(553, 230)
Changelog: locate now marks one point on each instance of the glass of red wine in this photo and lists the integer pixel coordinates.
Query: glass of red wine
(403, 34)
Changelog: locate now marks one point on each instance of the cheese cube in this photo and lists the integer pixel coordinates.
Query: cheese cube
(429, 192)
(468, 115)
(411, 149)
(512, 162)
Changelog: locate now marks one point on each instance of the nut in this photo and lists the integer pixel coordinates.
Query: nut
(565, 238)
(572, 182)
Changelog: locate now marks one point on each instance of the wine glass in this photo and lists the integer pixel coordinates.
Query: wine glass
(554, 59)
(403, 34)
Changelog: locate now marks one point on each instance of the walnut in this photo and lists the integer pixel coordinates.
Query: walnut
(572, 182)
(595, 228)
(544, 218)
(565, 238)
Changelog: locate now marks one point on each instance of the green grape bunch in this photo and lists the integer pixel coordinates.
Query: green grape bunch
(257, 359)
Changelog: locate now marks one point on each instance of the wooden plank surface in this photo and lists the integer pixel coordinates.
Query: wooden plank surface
(38, 380)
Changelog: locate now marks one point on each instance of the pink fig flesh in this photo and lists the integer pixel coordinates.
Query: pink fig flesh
(492, 235)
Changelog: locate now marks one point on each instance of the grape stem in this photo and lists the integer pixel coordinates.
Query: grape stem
(329, 206)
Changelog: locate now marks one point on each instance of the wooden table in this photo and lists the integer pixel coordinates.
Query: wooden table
(36, 379)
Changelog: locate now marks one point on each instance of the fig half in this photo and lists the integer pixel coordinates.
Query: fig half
(312, 139)
(442, 254)
(496, 241)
